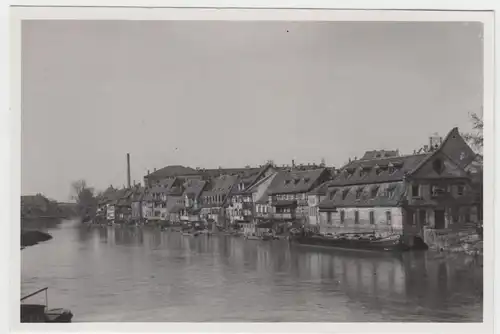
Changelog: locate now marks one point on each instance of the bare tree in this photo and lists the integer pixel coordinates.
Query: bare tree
(475, 138)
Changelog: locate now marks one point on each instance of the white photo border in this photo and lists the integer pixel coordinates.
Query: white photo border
(138, 10)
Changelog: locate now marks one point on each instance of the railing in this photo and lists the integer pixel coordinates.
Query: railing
(37, 292)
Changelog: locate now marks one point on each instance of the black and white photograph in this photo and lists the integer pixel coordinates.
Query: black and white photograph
(270, 170)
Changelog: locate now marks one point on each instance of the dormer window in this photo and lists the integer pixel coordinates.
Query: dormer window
(391, 169)
(377, 169)
(332, 194)
(344, 193)
(374, 191)
(359, 192)
(349, 172)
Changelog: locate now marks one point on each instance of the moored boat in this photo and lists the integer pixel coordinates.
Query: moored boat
(41, 312)
(191, 234)
(391, 243)
(86, 219)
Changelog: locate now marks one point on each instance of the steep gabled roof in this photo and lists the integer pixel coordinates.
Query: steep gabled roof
(108, 195)
(254, 186)
(221, 185)
(120, 196)
(194, 188)
(253, 179)
(288, 182)
(455, 148)
(321, 189)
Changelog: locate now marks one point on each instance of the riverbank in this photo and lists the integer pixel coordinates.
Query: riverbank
(31, 238)
(467, 242)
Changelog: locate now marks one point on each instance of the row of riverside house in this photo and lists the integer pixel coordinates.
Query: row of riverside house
(437, 187)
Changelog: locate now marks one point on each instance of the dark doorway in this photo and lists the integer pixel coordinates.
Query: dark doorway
(422, 218)
(439, 219)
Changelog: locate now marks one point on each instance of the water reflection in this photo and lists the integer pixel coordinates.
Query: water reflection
(224, 278)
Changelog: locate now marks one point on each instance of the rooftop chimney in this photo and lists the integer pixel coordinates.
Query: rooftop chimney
(128, 170)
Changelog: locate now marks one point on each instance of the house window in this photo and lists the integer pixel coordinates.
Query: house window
(390, 191)
(415, 190)
(329, 217)
(391, 169)
(342, 216)
(356, 217)
(372, 217)
(454, 215)
(437, 190)
(467, 215)
(388, 217)
(438, 166)
(374, 191)
(460, 190)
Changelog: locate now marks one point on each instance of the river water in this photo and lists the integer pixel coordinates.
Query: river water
(110, 274)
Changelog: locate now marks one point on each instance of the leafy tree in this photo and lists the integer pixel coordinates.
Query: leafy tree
(475, 138)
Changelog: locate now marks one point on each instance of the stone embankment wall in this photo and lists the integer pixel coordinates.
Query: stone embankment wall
(466, 241)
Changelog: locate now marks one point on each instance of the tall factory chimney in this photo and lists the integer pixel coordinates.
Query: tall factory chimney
(128, 170)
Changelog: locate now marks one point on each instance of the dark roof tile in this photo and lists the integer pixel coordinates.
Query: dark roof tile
(365, 195)
(172, 171)
(378, 170)
(288, 182)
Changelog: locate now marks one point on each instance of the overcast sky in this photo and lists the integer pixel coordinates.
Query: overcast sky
(231, 94)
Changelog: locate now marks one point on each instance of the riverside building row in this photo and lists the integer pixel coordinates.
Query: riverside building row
(436, 187)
